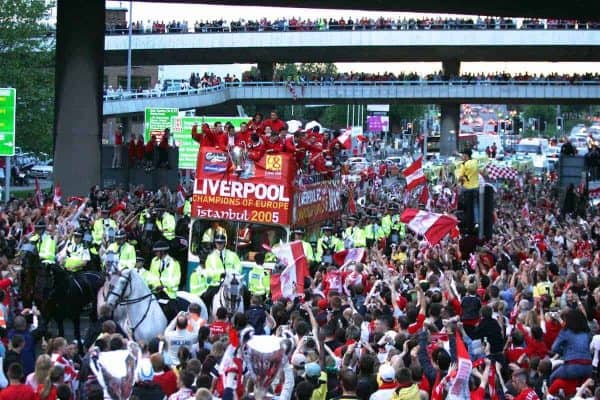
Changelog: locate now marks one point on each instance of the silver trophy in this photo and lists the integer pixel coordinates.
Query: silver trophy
(116, 371)
(264, 356)
(238, 157)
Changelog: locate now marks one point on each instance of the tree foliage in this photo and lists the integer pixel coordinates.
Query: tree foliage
(27, 64)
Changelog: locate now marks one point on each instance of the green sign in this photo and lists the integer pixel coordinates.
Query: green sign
(181, 129)
(156, 120)
(8, 103)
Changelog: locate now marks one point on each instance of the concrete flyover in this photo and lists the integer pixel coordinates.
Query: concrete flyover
(351, 46)
(454, 92)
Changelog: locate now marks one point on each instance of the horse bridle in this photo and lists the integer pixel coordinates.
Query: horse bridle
(120, 296)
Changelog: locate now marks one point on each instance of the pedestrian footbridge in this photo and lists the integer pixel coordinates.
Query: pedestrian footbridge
(348, 92)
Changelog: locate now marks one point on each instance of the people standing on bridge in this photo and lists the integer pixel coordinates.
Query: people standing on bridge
(467, 175)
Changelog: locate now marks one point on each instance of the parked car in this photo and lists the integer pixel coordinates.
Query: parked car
(43, 170)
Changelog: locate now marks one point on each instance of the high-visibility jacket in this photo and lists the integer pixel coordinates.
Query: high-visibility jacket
(187, 208)
(328, 245)
(219, 262)
(356, 235)
(166, 225)
(126, 253)
(150, 279)
(100, 225)
(386, 224)
(143, 216)
(168, 273)
(373, 232)
(398, 226)
(198, 282)
(77, 256)
(308, 251)
(259, 281)
(46, 247)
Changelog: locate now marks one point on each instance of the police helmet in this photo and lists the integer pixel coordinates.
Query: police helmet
(120, 234)
(352, 218)
(78, 233)
(40, 224)
(105, 210)
(327, 228)
(298, 231)
(138, 256)
(220, 238)
(161, 245)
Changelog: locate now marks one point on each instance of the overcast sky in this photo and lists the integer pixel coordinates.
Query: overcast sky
(192, 12)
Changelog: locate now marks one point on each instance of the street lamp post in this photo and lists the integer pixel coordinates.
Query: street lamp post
(129, 47)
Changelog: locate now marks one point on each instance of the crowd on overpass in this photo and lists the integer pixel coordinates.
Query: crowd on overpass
(293, 24)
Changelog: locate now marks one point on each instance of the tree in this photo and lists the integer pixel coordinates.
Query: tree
(543, 114)
(27, 64)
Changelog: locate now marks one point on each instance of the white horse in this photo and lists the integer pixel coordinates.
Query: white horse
(135, 307)
(230, 294)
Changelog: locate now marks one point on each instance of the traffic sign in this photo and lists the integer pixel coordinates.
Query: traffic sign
(8, 102)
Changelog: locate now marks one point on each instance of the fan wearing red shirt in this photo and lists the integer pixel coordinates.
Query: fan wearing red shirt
(163, 376)
(17, 390)
(221, 326)
(274, 122)
(519, 381)
(516, 350)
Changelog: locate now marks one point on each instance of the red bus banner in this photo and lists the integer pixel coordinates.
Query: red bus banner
(243, 190)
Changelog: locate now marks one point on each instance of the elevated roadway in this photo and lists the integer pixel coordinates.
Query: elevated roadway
(431, 92)
(354, 46)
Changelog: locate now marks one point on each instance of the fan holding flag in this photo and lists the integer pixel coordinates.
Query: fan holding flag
(467, 175)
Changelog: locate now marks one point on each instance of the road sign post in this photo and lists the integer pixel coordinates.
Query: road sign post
(8, 107)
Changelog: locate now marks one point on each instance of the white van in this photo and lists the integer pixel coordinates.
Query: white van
(537, 149)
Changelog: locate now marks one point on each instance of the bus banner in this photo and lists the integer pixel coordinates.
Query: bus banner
(316, 202)
(243, 190)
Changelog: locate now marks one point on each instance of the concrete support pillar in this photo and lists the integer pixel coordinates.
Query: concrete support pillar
(450, 68)
(449, 128)
(266, 71)
(78, 103)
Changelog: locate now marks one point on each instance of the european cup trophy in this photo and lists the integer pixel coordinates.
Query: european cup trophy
(238, 158)
(264, 357)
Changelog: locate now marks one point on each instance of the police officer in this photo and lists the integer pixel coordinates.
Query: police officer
(102, 226)
(187, 207)
(327, 245)
(386, 222)
(124, 251)
(75, 255)
(84, 227)
(164, 270)
(373, 231)
(44, 243)
(165, 222)
(259, 279)
(144, 273)
(198, 281)
(308, 251)
(219, 262)
(398, 228)
(353, 235)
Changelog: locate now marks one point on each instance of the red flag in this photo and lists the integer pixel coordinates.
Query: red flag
(492, 382)
(38, 197)
(345, 140)
(454, 201)
(424, 196)
(57, 195)
(459, 389)
(290, 282)
(431, 225)
(180, 199)
(414, 174)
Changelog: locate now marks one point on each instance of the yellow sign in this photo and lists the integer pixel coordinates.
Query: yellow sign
(273, 163)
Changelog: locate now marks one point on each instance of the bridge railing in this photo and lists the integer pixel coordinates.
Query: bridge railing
(153, 93)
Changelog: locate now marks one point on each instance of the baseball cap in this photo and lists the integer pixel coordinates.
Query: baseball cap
(146, 372)
(312, 369)
(298, 360)
(387, 373)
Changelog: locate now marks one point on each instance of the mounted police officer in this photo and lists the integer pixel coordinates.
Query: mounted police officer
(44, 243)
(75, 256)
(165, 270)
(219, 262)
(102, 227)
(353, 235)
(124, 251)
(259, 279)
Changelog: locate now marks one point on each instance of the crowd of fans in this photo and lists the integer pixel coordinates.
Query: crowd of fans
(334, 24)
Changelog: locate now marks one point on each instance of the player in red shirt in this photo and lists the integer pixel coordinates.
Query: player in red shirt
(204, 137)
(272, 143)
(274, 122)
(242, 138)
(256, 148)
(256, 124)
